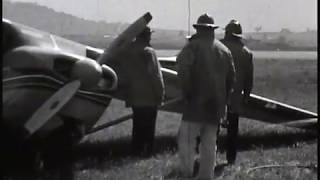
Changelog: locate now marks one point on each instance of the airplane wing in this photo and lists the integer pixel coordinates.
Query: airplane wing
(257, 108)
(267, 110)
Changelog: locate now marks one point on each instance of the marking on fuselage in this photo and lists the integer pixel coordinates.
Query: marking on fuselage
(55, 45)
(271, 105)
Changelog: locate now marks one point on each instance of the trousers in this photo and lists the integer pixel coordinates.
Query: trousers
(187, 142)
(143, 130)
(232, 136)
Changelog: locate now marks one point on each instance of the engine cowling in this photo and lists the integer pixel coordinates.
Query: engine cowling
(87, 71)
(109, 73)
(67, 66)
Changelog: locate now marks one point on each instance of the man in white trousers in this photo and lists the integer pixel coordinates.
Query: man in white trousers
(206, 74)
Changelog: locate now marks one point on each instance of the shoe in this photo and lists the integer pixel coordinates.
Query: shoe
(196, 167)
(231, 162)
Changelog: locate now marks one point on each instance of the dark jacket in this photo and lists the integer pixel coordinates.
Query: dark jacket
(140, 77)
(206, 75)
(242, 58)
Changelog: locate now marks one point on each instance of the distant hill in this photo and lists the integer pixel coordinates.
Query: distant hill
(283, 40)
(95, 33)
(99, 33)
(59, 23)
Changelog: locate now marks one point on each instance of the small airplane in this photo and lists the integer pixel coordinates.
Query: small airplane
(49, 83)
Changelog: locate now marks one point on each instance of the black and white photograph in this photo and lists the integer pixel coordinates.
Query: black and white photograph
(159, 90)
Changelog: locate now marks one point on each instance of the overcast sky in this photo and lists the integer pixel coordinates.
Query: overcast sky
(272, 15)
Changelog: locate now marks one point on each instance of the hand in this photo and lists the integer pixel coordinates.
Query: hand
(160, 100)
(224, 119)
(161, 104)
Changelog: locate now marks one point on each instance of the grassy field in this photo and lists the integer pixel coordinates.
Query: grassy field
(106, 154)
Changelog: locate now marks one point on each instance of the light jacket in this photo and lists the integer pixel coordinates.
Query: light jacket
(242, 58)
(206, 74)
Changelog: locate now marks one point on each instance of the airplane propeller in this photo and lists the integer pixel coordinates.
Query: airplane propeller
(51, 106)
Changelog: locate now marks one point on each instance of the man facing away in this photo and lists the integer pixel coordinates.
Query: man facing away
(242, 57)
(206, 75)
(141, 80)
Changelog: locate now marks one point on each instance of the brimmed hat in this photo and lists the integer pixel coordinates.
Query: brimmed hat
(205, 20)
(234, 28)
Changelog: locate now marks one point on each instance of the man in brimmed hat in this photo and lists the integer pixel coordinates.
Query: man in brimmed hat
(145, 92)
(206, 74)
(141, 80)
(242, 57)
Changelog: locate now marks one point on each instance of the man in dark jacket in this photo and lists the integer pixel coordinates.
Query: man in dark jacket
(141, 81)
(242, 57)
(145, 91)
(206, 75)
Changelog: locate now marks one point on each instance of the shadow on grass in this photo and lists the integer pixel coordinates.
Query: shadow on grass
(120, 147)
(95, 154)
(269, 140)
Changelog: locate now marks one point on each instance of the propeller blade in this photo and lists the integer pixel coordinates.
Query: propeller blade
(51, 106)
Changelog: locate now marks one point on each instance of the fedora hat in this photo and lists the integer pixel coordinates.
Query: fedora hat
(205, 20)
(234, 28)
